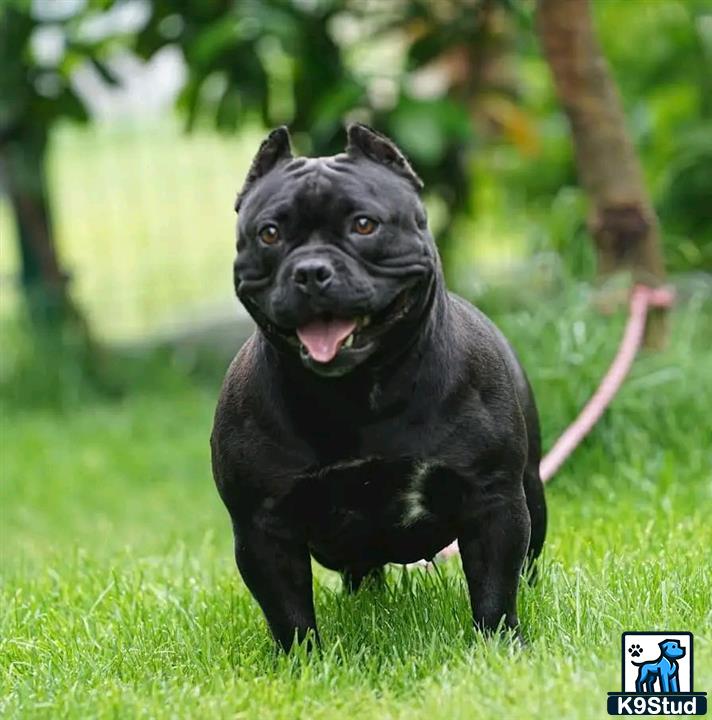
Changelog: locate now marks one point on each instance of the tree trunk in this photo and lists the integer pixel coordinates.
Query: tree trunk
(22, 160)
(622, 220)
(59, 325)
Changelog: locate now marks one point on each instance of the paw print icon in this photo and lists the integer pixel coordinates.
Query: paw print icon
(635, 650)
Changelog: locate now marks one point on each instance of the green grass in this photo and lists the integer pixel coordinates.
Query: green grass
(119, 597)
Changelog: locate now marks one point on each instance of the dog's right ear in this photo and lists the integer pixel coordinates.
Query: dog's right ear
(367, 142)
(275, 148)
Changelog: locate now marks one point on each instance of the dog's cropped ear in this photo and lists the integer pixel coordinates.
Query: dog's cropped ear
(364, 141)
(275, 148)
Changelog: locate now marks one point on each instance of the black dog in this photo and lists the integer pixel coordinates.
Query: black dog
(372, 417)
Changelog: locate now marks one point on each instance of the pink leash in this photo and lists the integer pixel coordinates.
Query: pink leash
(642, 298)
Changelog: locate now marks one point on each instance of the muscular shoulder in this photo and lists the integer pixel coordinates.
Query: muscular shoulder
(251, 433)
(240, 384)
(242, 401)
(482, 346)
(491, 380)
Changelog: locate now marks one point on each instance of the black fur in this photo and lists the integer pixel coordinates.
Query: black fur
(424, 431)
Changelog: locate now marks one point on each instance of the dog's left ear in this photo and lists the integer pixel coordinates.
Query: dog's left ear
(274, 149)
(364, 141)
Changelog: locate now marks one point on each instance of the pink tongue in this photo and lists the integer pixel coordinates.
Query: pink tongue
(323, 338)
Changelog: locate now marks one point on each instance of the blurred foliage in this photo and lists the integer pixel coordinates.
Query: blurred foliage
(667, 91)
(274, 59)
(461, 86)
(314, 64)
(41, 44)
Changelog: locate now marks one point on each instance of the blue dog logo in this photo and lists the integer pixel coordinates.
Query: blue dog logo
(663, 671)
(663, 686)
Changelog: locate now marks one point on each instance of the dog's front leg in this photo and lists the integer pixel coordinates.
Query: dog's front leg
(493, 544)
(277, 570)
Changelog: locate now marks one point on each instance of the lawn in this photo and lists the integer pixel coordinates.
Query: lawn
(119, 596)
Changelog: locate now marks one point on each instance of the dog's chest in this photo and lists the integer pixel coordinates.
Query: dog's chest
(377, 503)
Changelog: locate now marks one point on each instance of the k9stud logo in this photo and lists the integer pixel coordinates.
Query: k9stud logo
(657, 676)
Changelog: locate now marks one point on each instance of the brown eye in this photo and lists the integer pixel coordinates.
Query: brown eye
(269, 234)
(364, 225)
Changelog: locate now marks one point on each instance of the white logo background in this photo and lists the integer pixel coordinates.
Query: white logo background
(651, 652)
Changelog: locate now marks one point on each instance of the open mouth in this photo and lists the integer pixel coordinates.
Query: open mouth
(327, 336)
(324, 337)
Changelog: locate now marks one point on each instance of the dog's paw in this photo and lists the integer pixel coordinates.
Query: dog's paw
(635, 650)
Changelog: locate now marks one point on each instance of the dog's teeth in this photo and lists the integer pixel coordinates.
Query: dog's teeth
(366, 321)
(349, 341)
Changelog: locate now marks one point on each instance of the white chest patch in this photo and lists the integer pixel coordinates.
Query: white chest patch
(414, 495)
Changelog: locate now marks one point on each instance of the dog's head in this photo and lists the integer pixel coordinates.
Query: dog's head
(671, 649)
(335, 262)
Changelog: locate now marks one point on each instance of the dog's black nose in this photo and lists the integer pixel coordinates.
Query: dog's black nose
(313, 274)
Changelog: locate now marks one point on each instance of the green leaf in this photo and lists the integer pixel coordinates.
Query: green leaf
(229, 110)
(213, 40)
(426, 128)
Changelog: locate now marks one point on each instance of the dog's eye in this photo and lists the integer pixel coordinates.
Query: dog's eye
(364, 225)
(269, 234)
